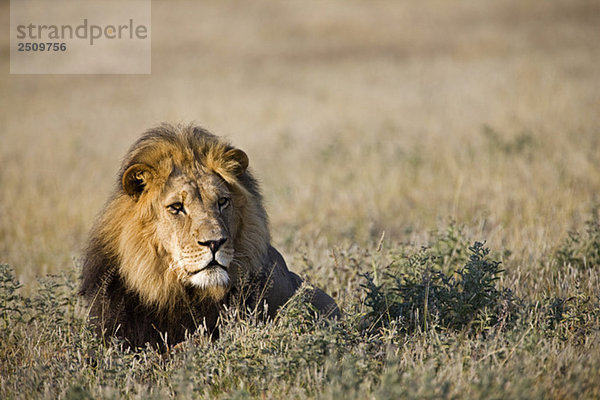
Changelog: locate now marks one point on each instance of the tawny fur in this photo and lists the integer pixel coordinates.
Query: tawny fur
(135, 288)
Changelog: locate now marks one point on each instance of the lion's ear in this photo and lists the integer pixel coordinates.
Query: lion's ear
(136, 179)
(239, 158)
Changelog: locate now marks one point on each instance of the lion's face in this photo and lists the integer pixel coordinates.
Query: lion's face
(193, 219)
(196, 227)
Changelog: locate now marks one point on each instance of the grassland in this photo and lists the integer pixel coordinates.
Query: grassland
(375, 128)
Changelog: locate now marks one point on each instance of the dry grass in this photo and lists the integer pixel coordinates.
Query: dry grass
(359, 118)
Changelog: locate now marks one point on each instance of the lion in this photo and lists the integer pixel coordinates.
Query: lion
(184, 232)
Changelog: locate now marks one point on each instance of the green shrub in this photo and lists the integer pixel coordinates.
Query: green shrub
(574, 317)
(11, 303)
(418, 294)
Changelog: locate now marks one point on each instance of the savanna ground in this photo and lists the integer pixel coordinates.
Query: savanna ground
(389, 137)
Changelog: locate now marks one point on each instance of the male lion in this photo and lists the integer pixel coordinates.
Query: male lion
(183, 233)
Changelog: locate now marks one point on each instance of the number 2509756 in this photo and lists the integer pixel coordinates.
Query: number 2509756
(44, 46)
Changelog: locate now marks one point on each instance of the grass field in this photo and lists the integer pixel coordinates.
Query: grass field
(375, 128)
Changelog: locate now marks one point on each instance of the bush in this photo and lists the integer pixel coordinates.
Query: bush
(11, 310)
(421, 296)
(574, 317)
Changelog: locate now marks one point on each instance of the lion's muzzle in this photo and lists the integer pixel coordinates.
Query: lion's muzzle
(211, 265)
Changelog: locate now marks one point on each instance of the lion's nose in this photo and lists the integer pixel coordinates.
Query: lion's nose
(213, 245)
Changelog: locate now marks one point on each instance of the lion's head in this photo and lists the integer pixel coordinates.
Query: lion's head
(186, 214)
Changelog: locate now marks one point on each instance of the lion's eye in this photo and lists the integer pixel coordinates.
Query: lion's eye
(176, 208)
(223, 202)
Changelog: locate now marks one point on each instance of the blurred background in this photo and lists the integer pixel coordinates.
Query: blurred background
(359, 118)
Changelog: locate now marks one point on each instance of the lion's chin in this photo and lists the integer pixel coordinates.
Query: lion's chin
(213, 282)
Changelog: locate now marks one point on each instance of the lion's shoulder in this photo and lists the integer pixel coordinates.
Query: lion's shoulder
(282, 284)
